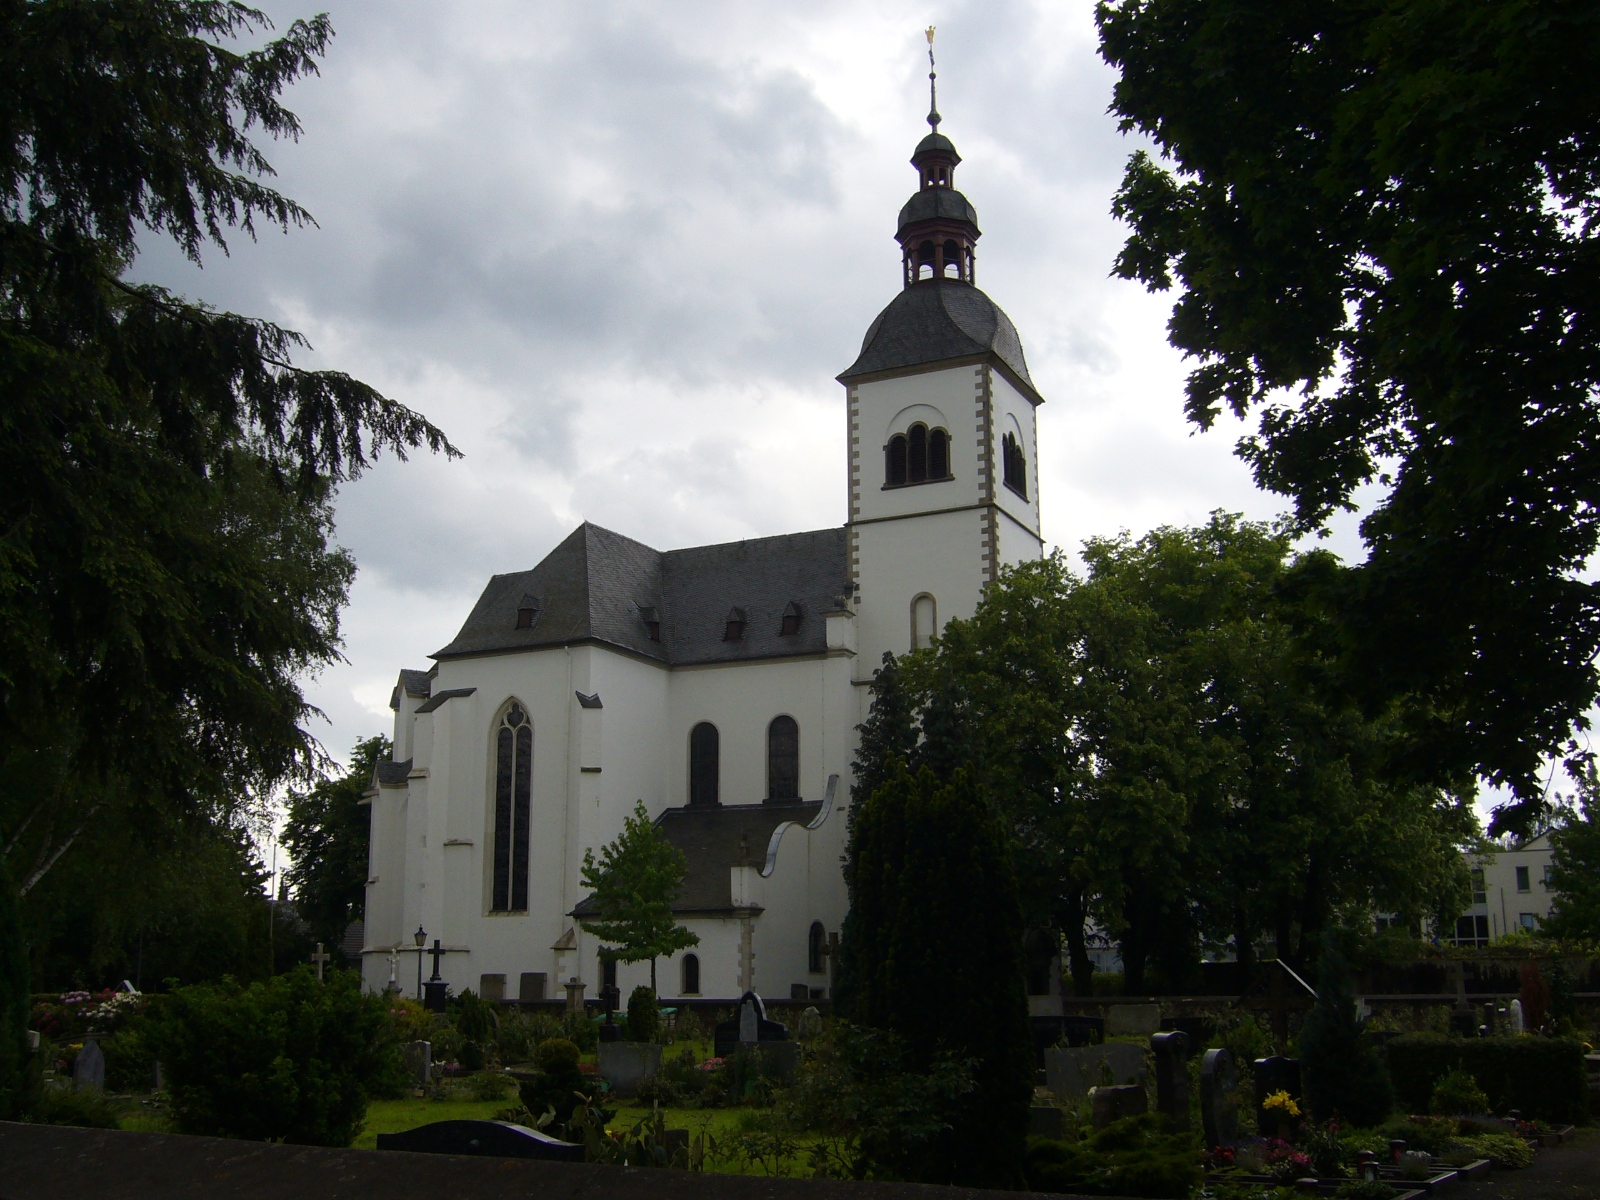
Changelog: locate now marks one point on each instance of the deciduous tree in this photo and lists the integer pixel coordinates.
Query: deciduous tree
(327, 833)
(634, 883)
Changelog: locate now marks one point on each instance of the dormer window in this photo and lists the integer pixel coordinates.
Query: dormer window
(733, 631)
(919, 455)
(527, 611)
(1015, 465)
(791, 620)
(652, 622)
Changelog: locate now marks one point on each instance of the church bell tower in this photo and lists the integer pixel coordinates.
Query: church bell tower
(943, 456)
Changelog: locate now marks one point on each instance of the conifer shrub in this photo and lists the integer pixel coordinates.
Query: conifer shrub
(1457, 1094)
(644, 1015)
(290, 1059)
(1343, 1072)
(559, 1086)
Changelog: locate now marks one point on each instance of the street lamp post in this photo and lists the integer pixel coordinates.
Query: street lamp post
(420, 937)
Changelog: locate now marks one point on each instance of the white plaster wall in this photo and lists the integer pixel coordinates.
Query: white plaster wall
(941, 554)
(1504, 904)
(878, 409)
(1010, 409)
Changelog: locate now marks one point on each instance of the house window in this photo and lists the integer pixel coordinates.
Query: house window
(1549, 876)
(1014, 464)
(924, 621)
(1522, 880)
(816, 948)
(1472, 931)
(783, 759)
(919, 455)
(1480, 893)
(791, 620)
(733, 630)
(513, 784)
(1530, 922)
(704, 767)
(691, 975)
(527, 612)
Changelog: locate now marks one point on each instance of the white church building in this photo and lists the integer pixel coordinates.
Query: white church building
(722, 685)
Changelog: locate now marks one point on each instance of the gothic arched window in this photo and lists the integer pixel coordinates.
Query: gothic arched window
(1015, 465)
(513, 792)
(816, 945)
(919, 455)
(704, 765)
(691, 975)
(938, 455)
(783, 759)
(917, 452)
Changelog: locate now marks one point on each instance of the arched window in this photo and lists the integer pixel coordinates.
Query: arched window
(917, 452)
(895, 471)
(816, 948)
(952, 260)
(783, 759)
(704, 767)
(925, 261)
(513, 790)
(1015, 465)
(924, 621)
(691, 975)
(938, 455)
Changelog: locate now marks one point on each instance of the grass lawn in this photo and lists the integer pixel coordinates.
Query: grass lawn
(394, 1116)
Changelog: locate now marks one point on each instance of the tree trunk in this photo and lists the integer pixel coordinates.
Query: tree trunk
(653, 991)
(1078, 960)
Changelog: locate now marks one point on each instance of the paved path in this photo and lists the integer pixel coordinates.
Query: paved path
(1569, 1172)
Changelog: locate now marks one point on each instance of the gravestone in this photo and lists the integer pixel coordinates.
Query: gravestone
(575, 1006)
(810, 1024)
(1139, 1019)
(1172, 1076)
(750, 1026)
(628, 1065)
(1070, 1072)
(532, 986)
(1108, 1104)
(1047, 1120)
(1274, 1074)
(89, 1070)
(500, 1139)
(418, 1057)
(492, 988)
(1515, 1017)
(1219, 1098)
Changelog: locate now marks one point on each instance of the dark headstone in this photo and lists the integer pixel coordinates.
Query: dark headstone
(492, 988)
(1274, 1074)
(89, 1069)
(499, 1139)
(434, 994)
(1198, 1028)
(1108, 1104)
(532, 986)
(1172, 1076)
(1047, 1032)
(1219, 1098)
(799, 991)
(610, 1031)
(750, 1026)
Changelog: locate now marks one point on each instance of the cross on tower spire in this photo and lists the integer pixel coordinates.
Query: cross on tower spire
(933, 86)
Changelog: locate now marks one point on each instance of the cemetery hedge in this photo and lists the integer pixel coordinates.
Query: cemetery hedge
(1544, 1077)
(290, 1059)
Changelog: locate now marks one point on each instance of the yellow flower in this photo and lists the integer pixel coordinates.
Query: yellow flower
(1284, 1101)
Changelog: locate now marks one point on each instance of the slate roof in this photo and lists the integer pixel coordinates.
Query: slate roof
(593, 585)
(938, 320)
(392, 774)
(413, 683)
(713, 839)
(437, 700)
(938, 202)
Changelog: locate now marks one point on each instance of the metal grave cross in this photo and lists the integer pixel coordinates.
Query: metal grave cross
(321, 957)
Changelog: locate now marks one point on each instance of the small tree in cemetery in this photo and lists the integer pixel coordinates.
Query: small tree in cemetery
(1575, 862)
(937, 960)
(327, 834)
(634, 883)
(1343, 1073)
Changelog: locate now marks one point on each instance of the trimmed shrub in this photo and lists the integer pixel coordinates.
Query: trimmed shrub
(1505, 1152)
(644, 1015)
(289, 1059)
(1458, 1094)
(1544, 1077)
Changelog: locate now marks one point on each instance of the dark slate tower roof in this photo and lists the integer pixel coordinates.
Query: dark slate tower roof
(598, 586)
(938, 320)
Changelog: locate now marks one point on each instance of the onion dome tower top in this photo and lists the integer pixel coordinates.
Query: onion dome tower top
(940, 315)
(938, 226)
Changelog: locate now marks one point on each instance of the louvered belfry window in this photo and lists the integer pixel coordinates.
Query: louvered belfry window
(513, 800)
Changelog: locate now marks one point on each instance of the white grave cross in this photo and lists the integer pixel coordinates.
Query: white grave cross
(320, 957)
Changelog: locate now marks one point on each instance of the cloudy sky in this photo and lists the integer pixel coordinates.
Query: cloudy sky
(619, 251)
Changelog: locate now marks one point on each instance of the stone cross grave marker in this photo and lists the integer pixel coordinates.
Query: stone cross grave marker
(1172, 1076)
(1219, 1098)
(321, 958)
(394, 969)
(89, 1070)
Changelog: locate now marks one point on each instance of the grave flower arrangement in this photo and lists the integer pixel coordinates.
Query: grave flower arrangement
(1285, 1163)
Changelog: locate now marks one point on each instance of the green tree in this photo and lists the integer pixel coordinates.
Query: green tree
(1575, 864)
(634, 883)
(327, 833)
(1381, 219)
(930, 868)
(1344, 1073)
